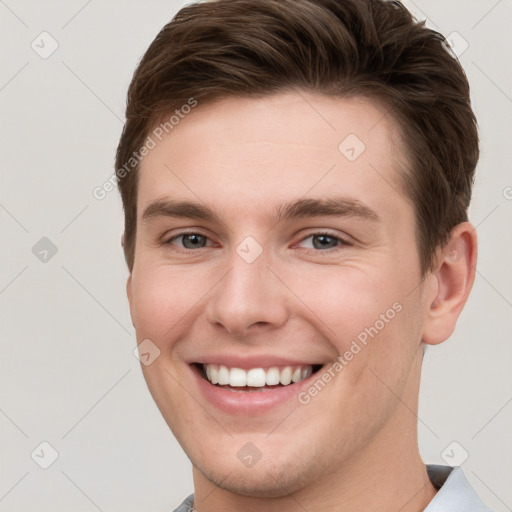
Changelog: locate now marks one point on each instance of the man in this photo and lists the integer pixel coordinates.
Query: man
(295, 178)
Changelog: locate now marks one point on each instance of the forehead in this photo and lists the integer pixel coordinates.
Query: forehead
(251, 153)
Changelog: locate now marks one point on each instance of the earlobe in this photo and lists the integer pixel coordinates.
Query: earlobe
(455, 273)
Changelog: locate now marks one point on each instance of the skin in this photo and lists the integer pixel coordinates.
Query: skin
(354, 445)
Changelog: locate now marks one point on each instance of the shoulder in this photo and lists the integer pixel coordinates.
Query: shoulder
(187, 505)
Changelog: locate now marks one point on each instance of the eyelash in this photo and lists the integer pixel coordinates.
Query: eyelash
(342, 242)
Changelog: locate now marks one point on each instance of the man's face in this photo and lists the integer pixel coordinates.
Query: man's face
(261, 284)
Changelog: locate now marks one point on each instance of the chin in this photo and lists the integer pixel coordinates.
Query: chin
(267, 479)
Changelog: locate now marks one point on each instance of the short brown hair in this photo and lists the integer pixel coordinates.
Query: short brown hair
(368, 48)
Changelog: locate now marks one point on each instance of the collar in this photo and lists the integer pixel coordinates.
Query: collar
(455, 493)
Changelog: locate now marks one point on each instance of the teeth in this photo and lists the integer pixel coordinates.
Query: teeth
(237, 377)
(286, 375)
(223, 376)
(272, 377)
(296, 374)
(256, 377)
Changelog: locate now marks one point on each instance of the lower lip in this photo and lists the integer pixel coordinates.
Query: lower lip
(248, 402)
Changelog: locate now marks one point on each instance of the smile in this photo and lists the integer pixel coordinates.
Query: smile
(258, 387)
(221, 375)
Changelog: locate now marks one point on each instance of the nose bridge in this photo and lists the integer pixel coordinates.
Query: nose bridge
(249, 294)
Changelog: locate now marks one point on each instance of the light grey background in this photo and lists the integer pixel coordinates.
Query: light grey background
(67, 372)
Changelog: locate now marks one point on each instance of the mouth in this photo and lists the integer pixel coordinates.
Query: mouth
(259, 379)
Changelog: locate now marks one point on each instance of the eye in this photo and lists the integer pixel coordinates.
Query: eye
(321, 241)
(189, 240)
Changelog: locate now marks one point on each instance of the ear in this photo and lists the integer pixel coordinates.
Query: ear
(454, 272)
(130, 298)
(128, 286)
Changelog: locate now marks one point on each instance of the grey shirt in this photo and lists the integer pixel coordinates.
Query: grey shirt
(455, 493)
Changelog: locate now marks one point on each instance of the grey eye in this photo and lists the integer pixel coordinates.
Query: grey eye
(321, 241)
(193, 241)
(324, 241)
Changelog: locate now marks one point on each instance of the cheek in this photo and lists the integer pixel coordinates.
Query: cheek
(162, 298)
(348, 303)
(370, 318)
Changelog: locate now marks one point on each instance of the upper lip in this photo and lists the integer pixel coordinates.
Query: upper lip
(261, 361)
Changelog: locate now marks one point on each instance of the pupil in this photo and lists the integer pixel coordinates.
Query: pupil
(324, 241)
(192, 241)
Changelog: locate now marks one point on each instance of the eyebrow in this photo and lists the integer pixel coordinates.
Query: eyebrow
(300, 208)
(323, 207)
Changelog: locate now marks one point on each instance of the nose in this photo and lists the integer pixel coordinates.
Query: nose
(249, 299)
